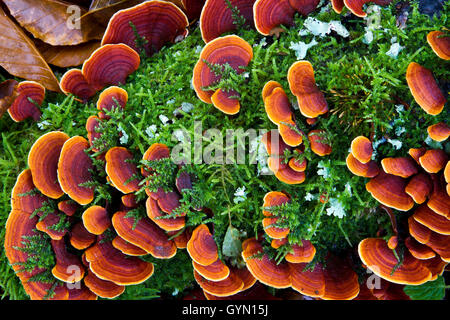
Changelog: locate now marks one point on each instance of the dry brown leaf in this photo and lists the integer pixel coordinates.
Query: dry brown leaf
(98, 4)
(19, 56)
(101, 15)
(8, 94)
(67, 56)
(54, 21)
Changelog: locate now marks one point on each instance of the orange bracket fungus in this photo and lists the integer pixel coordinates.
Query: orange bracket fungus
(43, 161)
(278, 109)
(425, 89)
(403, 167)
(155, 213)
(338, 5)
(270, 14)
(102, 288)
(80, 237)
(307, 282)
(433, 160)
(341, 282)
(311, 100)
(121, 171)
(216, 271)
(108, 263)
(74, 170)
(390, 191)
(112, 97)
(96, 220)
(145, 235)
(367, 170)
(223, 288)
(127, 248)
(377, 256)
(155, 22)
(356, 6)
(74, 82)
(201, 246)
(26, 105)
(303, 253)
(319, 143)
(217, 17)
(264, 269)
(110, 64)
(22, 196)
(362, 149)
(439, 131)
(231, 50)
(440, 43)
(419, 187)
(68, 266)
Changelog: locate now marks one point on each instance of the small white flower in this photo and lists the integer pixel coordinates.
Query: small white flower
(44, 124)
(348, 188)
(323, 171)
(397, 144)
(198, 49)
(336, 208)
(368, 36)
(309, 197)
(301, 48)
(124, 138)
(171, 101)
(163, 119)
(394, 50)
(240, 195)
(399, 131)
(151, 131)
(399, 108)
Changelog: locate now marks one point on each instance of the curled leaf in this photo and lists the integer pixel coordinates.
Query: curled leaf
(67, 56)
(19, 56)
(55, 22)
(8, 92)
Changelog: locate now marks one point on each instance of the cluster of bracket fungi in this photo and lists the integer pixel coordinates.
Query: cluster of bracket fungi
(104, 243)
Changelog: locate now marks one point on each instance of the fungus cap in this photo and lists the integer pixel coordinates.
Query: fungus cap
(367, 170)
(264, 269)
(121, 171)
(229, 49)
(311, 100)
(22, 108)
(390, 191)
(362, 149)
(269, 14)
(440, 43)
(96, 219)
(158, 22)
(74, 170)
(144, 234)
(201, 246)
(43, 162)
(110, 64)
(108, 263)
(425, 89)
(403, 167)
(377, 256)
(224, 288)
(217, 18)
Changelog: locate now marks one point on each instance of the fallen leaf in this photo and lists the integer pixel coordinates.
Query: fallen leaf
(98, 4)
(101, 15)
(67, 56)
(54, 22)
(8, 94)
(19, 56)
